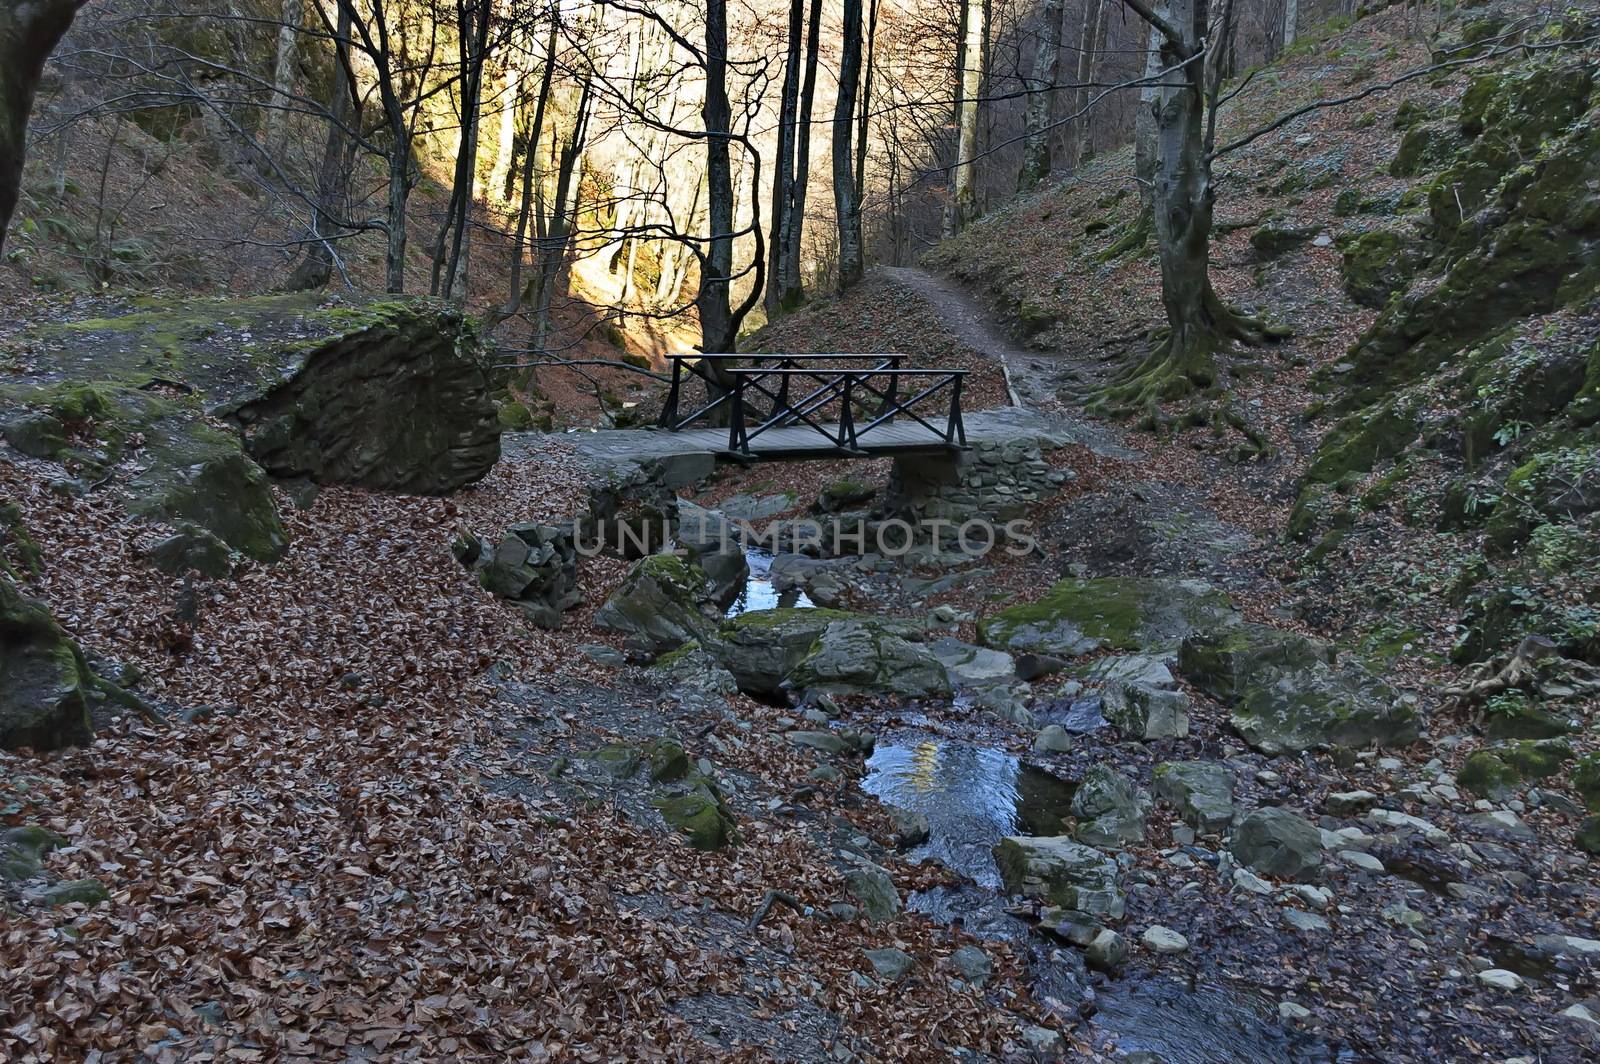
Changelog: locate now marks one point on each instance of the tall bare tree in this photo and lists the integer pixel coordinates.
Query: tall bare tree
(847, 208)
(29, 32)
(1041, 85)
(964, 195)
(1199, 323)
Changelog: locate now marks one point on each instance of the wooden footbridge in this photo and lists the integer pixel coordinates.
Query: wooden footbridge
(813, 406)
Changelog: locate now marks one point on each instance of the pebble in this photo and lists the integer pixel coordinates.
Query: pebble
(1581, 1012)
(1163, 940)
(1289, 1010)
(1390, 818)
(1267, 776)
(1391, 764)
(1349, 803)
(1364, 861)
(1318, 898)
(1245, 879)
(1304, 921)
(1500, 979)
(972, 964)
(1052, 739)
(1043, 1041)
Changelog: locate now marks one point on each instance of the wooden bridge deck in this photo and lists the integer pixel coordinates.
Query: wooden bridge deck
(804, 441)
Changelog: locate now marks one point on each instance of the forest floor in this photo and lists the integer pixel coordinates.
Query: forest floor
(370, 830)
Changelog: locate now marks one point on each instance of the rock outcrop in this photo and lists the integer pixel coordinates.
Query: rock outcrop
(534, 566)
(663, 603)
(1288, 693)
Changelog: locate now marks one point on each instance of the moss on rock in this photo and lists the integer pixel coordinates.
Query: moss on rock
(1076, 617)
(45, 685)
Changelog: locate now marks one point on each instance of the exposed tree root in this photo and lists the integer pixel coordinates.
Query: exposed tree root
(1193, 363)
(1535, 661)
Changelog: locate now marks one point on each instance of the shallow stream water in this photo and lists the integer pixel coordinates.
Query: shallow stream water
(758, 592)
(975, 795)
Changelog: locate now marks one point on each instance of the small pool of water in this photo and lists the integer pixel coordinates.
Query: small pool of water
(973, 796)
(758, 592)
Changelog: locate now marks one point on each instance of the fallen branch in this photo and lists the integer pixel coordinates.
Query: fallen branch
(771, 898)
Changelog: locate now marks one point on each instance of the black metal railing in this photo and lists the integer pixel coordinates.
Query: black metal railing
(760, 393)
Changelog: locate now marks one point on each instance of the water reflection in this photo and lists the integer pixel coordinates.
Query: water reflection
(758, 592)
(971, 795)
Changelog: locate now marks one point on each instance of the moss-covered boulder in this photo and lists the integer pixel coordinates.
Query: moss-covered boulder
(1562, 484)
(1486, 775)
(863, 657)
(700, 814)
(1077, 617)
(1496, 773)
(1587, 837)
(1109, 809)
(1059, 871)
(663, 603)
(1424, 148)
(1288, 693)
(762, 647)
(385, 393)
(22, 851)
(1201, 791)
(45, 686)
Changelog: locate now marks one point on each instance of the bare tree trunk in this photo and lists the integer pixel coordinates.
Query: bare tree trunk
(964, 201)
(1152, 99)
(865, 124)
(1291, 22)
(563, 218)
(530, 167)
(29, 32)
(333, 176)
(1199, 324)
(847, 209)
(473, 19)
(1041, 85)
(788, 281)
(293, 15)
(783, 169)
(716, 265)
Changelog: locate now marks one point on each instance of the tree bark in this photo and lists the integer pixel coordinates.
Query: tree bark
(716, 268)
(1199, 324)
(847, 209)
(333, 175)
(787, 278)
(1041, 85)
(29, 32)
(964, 199)
(283, 75)
(1151, 100)
(1291, 22)
(784, 165)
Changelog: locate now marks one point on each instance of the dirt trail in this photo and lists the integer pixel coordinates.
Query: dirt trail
(970, 323)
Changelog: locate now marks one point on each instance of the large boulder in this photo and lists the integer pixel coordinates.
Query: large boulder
(386, 392)
(1201, 791)
(1078, 617)
(45, 686)
(865, 657)
(663, 603)
(1289, 693)
(1276, 842)
(1145, 712)
(1061, 872)
(761, 647)
(1109, 809)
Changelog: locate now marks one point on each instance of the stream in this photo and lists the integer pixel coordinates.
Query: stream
(973, 796)
(759, 593)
